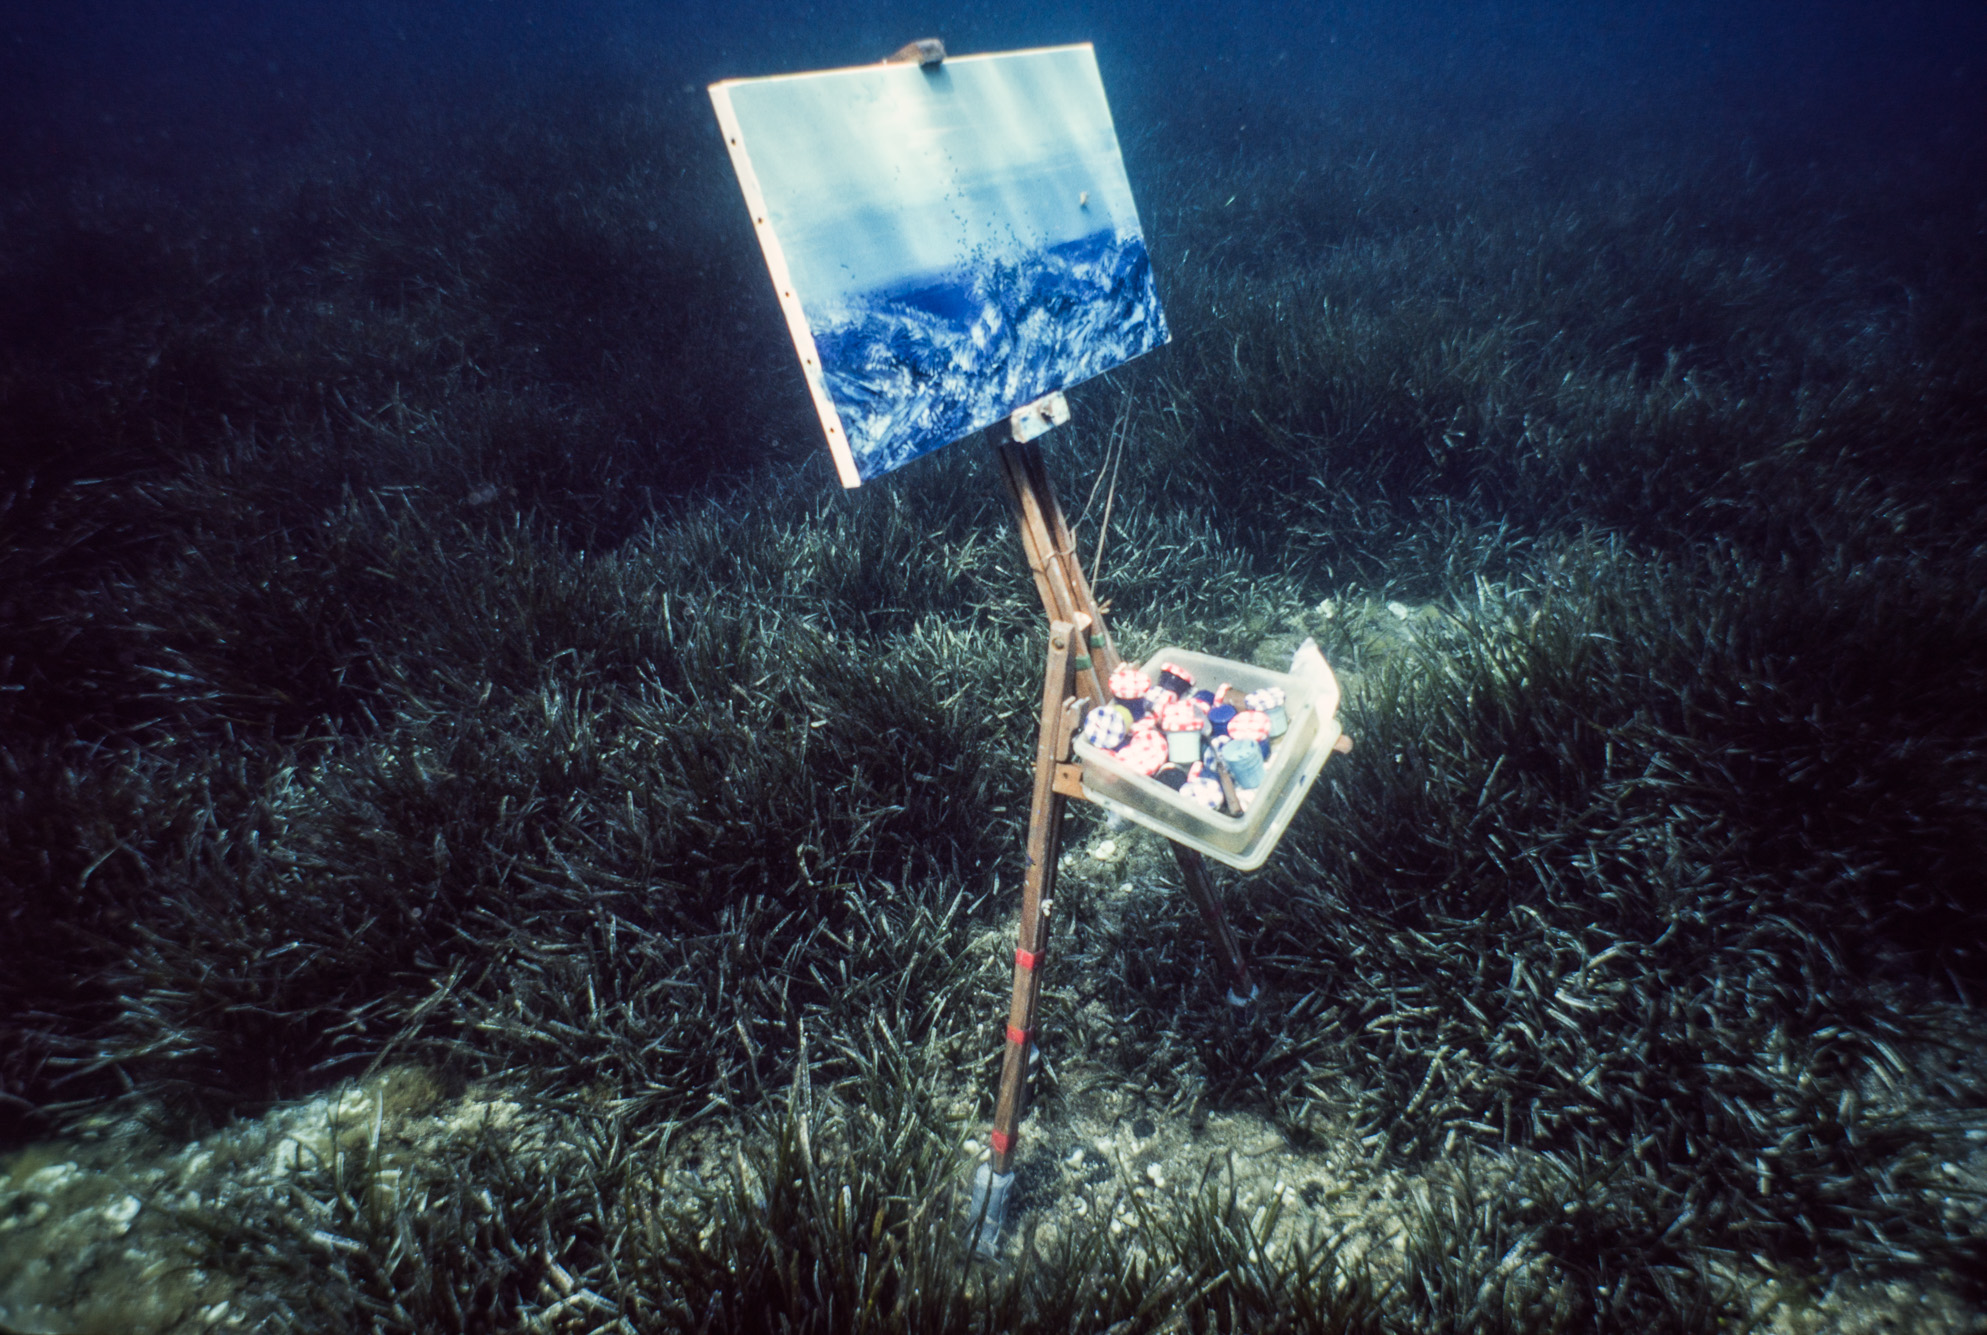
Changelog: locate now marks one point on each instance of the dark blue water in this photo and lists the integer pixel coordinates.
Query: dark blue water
(117, 113)
(178, 86)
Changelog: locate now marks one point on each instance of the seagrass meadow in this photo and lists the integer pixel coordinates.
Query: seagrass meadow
(492, 837)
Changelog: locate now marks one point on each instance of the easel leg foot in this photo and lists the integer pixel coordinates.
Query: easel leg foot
(987, 1214)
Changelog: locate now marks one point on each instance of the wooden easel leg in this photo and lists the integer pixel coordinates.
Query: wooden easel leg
(1193, 870)
(1038, 887)
(1052, 559)
(994, 1180)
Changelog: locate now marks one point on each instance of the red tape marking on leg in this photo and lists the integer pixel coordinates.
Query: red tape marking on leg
(1028, 959)
(1003, 1141)
(1019, 1036)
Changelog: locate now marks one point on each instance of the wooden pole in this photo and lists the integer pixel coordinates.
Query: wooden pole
(1038, 887)
(1051, 550)
(1200, 885)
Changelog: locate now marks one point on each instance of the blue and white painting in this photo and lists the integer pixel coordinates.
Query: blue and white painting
(948, 243)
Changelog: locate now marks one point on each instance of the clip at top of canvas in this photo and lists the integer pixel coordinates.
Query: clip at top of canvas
(928, 52)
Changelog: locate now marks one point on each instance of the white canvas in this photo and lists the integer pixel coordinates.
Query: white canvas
(948, 244)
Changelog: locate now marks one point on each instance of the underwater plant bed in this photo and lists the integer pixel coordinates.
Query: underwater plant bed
(483, 746)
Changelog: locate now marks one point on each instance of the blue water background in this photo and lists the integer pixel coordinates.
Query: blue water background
(169, 90)
(111, 110)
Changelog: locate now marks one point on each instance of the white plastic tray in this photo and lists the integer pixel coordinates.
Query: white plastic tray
(1311, 698)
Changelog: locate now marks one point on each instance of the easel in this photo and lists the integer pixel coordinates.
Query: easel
(1077, 673)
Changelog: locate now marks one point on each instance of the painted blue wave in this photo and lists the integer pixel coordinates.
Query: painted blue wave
(920, 365)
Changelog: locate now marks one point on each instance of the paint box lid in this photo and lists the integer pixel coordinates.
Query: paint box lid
(1244, 842)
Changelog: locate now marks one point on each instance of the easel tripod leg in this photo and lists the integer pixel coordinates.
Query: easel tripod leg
(996, 1177)
(1200, 885)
